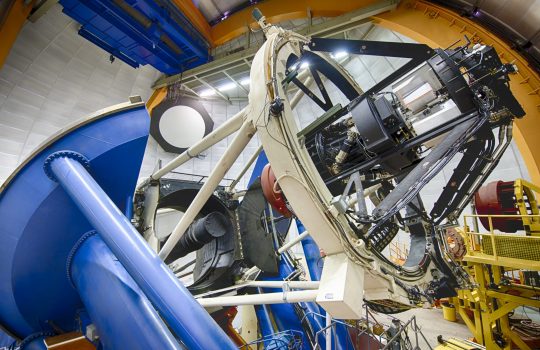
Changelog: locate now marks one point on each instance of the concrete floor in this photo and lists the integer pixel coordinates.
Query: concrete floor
(432, 324)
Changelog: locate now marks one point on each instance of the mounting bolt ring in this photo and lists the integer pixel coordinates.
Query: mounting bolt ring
(63, 154)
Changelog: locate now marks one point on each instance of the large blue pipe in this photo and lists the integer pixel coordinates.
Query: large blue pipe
(312, 254)
(265, 321)
(187, 318)
(123, 316)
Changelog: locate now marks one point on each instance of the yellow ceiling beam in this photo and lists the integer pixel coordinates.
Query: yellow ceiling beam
(439, 27)
(11, 26)
(281, 10)
(157, 96)
(196, 18)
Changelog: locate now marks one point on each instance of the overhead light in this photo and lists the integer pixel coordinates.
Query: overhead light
(245, 81)
(304, 65)
(339, 54)
(294, 66)
(227, 86)
(207, 93)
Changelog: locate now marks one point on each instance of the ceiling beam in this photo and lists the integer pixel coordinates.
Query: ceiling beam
(326, 29)
(219, 93)
(240, 86)
(277, 11)
(188, 8)
(11, 23)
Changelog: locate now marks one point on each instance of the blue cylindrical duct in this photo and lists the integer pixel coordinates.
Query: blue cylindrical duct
(265, 321)
(312, 254)
(188, 320)
(123, 316)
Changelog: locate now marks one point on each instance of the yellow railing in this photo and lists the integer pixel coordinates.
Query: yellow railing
(398, 252)
(504, 249)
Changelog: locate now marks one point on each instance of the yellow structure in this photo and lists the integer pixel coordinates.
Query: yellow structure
(524, 192)
(11, 24)
(490, 255)
(398, 252)
(458, 344)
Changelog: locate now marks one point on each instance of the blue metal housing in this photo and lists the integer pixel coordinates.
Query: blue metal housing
(40, 224)
(141, 32)
(184, 315)
(96, 163)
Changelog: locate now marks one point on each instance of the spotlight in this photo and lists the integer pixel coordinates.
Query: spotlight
(339, 54)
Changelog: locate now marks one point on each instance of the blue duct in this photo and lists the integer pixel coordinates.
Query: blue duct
(265, 320)
(187, 319)
(5, 339)
(123, 316)
(284, 314)
(312, 254)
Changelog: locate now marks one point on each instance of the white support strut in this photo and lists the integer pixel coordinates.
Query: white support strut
(293, 242)
(236, 147)
(261, 299)
(227, 128)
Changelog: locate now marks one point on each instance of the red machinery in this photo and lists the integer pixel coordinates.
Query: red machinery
(497, 198)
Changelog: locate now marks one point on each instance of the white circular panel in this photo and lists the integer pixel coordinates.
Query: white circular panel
(181, 126)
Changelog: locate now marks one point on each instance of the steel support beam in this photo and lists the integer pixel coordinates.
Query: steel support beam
(259, 299)
(219, 93)
(235, 82)
(250, 162)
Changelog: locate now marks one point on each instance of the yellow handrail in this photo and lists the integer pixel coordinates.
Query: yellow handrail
(504, 249)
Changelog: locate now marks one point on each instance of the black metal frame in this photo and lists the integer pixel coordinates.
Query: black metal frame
(478, 151)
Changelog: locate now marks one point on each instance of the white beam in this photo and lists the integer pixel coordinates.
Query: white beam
(236, 147)
(227, 128)
(260, 299)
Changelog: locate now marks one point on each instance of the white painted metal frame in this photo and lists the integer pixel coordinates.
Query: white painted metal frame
(294, 170)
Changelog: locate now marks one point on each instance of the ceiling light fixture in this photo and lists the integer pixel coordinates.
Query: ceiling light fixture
(227, 86)
(207, 93)
(339, 54)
